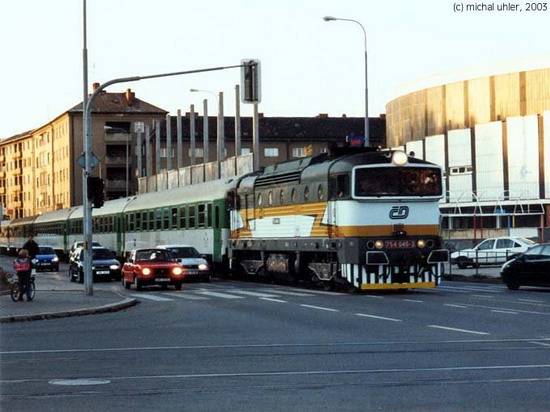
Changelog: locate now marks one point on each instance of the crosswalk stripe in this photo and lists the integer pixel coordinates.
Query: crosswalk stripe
(284, 292)
(218, 294)
(185, 295)
(151, 297)
(255, 294)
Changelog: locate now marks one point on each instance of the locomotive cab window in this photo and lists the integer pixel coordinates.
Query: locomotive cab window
(339, 186)
(397, 181)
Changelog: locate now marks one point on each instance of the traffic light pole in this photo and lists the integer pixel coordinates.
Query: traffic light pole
(87, 120)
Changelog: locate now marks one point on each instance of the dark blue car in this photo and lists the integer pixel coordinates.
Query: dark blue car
(46, 259)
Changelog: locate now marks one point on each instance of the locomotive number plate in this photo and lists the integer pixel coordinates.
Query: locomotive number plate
(399, 244)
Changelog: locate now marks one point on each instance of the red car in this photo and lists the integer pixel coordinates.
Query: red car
(152, 267)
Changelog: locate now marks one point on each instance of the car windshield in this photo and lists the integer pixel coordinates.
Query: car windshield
(45, 251)
(154, 255)
(102, 254)
(397, 181)
(184, 252)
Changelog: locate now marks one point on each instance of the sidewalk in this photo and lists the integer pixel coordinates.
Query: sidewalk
(485, 274)
(50, 304)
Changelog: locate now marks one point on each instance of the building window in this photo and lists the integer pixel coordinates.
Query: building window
(245, 150)
(271, 152)
(199, 152)
(298, 152)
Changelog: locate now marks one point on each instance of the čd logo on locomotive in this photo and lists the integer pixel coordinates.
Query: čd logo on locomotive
(399, 212)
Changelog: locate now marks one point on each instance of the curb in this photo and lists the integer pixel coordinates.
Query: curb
(473, 279)
(111, 307)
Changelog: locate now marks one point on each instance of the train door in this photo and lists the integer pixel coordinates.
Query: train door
(250, 220)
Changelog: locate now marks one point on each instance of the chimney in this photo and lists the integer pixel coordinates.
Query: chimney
(95, 86)
(130, 97)
(344, 115)
(322, 115)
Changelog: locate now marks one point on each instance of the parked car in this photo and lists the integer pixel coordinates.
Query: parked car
(152, 266)
(195, 266)
(491, 251)
(46, 259)
(104, 265)
(531, 268)
(75, 249)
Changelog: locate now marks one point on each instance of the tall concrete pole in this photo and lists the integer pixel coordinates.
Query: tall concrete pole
(157, 147)
(139, 142)
(205, 142)
(256, 137)
(220, 133)
(168, 143)
(192, 133)
(237, 126)
(179, 158)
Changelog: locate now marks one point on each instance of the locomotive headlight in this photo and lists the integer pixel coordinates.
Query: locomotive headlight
(399, 158)
(421, 243)
(378, 244)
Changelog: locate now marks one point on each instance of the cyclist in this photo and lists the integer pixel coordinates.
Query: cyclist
(22, 266)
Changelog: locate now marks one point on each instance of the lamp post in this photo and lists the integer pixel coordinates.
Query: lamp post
(331, 18)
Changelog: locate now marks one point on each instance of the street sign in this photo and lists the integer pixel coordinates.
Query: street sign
(82, 161)
(139, 127)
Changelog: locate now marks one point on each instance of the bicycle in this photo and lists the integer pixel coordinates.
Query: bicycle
(16, 292)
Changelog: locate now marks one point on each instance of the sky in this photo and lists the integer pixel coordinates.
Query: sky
(308, 66)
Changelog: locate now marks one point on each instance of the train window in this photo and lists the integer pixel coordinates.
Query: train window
(201, 215)
(182, 217)
(138, 221)
(158, 219)
(320, 193)
(306, 193)
(166, 219)
(191, 216)
(259, 200)
(174, 218)
(282, 196)
(209, 215)
(270, 198)
(293, 195)
(131, 227)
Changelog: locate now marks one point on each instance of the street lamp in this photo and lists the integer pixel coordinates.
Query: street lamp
(331, 18)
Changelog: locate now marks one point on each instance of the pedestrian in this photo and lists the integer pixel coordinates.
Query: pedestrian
(22, 267)
(31, 246)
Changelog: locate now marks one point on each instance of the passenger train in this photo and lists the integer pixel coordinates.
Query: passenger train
(362, 217)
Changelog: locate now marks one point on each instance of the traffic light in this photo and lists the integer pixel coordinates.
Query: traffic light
(95, 191)
(250, 81)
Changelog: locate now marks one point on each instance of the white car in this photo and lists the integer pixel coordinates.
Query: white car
(194, 265)
(76, 247)
(492, 251)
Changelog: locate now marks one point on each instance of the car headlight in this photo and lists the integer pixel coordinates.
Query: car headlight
(34, 261)
(114, 267)
(177, 271)
(55, 259)
(146, 271)
(203, 266)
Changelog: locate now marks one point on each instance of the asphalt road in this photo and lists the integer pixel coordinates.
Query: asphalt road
(230, 345)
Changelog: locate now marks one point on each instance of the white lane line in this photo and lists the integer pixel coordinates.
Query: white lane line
(509, 312)
(184, 295)
(378, 317)
(284, 292)
(324, 292)
(255, 294)
(274, 300)
(458, 330)
(530, 301)
(152, 297)
(483, 296)
(546, 345)
(413, 300)
(218, 294)
(452, 305)
(320, 308)
(374, 296)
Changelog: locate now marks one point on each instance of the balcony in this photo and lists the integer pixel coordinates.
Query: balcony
(115, 185)
(118, 138)
(116, 161)
(17, 155)
(15, 204)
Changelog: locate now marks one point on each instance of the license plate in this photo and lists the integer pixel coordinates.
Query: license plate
(103, 272)
(43, 264)
(193, 272)
(162, 279)
(399, 244)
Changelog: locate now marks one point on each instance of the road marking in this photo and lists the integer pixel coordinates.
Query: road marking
(452, 305)
(320, 308)
(255, 294)
(218, 294)
(458, 330)
(284, 292)
(79, 382)
(152, 297)
(274, 300)
(324, 292)
(483, 296)
(469, 289)
(374, 296)
(185, 296)
(530, 301)
(509, 312)
(378, 317)
(531, 312)
(546, 345)
(413, 300)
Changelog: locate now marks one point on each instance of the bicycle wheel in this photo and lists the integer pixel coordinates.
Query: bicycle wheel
(15, 292)
(32, 291)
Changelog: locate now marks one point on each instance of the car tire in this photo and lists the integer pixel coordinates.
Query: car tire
(512, 285)
(462, 263)
(137, 284)
(177, 286)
